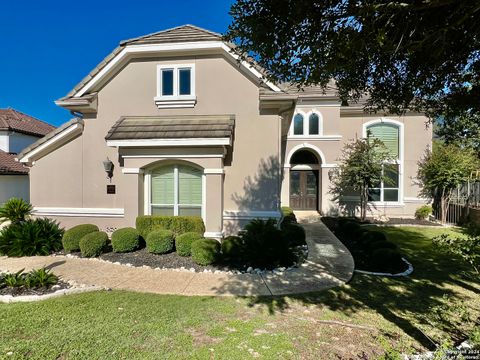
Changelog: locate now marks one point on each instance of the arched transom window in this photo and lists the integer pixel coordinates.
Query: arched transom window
(176, 190)
(389, 189)
(306, 125)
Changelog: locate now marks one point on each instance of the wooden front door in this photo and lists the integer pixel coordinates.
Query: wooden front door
(304, 189)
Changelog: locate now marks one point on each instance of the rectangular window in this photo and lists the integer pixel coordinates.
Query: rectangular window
(167, 82)
(185, 83)
(388, 189)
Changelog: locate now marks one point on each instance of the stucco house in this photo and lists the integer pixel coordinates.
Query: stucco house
(183, 126)
(17, 131)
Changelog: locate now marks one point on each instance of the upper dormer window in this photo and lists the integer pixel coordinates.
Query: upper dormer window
(175, 86)
(306, 124)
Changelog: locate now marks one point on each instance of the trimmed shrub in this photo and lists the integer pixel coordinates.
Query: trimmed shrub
(40, 278)
(387, 260)
(294, 235)
(125, 240)
(265, 247)
(423, 212)
(31, 237)
(92, 244)
(71, 238)
(178, 224)
(288, 215)
(205, 251)
(183, 243)
(160, 241)
(233, 247)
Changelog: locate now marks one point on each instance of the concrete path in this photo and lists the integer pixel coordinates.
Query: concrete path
(329, 264)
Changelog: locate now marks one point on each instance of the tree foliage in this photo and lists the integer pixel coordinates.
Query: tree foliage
(462, 130)
(440, 172)
(421, 55)
(360, 168)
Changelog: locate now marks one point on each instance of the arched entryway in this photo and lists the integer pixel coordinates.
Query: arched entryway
(305, 180)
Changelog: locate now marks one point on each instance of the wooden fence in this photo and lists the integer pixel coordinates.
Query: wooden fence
(464, 204)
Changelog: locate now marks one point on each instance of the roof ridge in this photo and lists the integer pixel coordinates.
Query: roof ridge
(123, 42)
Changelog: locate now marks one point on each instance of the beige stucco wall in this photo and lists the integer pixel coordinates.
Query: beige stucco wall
(13, 186)
(417, 138)
(73, 175)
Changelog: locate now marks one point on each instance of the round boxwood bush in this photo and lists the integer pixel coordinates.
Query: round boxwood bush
(233, 247)
(125, 240)
(160, 241)
(183, 243)
(71, 238)
(93, 243)
(294, 235)
(387, 260)
(205, 251)
(349, 230)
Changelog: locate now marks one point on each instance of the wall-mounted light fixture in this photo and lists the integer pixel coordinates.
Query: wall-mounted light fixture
(108, 166)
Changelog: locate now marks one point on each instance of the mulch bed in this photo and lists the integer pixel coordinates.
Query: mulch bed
(169, 261)
(403, 221)
(22, 291)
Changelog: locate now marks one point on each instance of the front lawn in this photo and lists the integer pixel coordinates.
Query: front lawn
(360, 320)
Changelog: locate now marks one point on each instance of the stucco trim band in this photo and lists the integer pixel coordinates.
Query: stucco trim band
(80, 212)
(241, 214)
(169, 142)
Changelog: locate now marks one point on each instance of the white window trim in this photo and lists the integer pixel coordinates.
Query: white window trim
(176, 205)
(306, 127)
(176, 100)
(399, 161)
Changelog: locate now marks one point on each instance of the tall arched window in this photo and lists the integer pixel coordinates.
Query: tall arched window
(389, 189)
(298, 124)
(176, 190)
(313, 124)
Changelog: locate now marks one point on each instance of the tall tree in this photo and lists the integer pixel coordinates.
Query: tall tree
(444, 168)
(463, 130)
(422, 55)
(360, 169)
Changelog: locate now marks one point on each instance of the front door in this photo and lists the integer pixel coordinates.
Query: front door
(304, 189)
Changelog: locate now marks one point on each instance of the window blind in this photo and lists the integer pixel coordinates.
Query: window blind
(189, 186)
(162, 186)
(388, 134)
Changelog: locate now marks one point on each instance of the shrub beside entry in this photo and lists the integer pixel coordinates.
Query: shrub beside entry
(71, 238)
(92, 244)
(205, 251)
(125, 240)
(183, 243)
(233, 247)
(160, 241)
(178, 224)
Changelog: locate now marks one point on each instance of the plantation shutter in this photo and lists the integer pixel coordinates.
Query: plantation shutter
(189, 186)
(388, 134)
(162, 186)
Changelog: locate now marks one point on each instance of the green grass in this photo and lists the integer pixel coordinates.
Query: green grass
(367, 316)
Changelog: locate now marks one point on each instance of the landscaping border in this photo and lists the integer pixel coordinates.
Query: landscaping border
(404, 273)
(8, 299)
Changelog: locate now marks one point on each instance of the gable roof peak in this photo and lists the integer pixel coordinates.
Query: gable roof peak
(182, 33)
(12, 119)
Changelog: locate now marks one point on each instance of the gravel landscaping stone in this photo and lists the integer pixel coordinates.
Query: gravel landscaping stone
(22, 291)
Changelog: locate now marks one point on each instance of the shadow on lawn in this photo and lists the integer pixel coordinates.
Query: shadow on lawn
(401, 301)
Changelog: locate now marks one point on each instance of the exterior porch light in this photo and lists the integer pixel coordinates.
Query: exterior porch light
(108, 166)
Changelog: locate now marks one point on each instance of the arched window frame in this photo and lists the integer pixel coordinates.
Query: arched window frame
(399, 161)
(176, 205)
(306, 124)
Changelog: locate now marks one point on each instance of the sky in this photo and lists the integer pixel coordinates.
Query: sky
(47, 47)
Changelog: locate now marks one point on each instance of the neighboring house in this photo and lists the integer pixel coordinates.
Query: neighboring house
(190, 129)
(17, 131)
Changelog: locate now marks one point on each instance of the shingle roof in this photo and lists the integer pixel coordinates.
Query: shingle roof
(9, 166)
(11, 119)
(50, 135)
(172, 127)
(184, 33)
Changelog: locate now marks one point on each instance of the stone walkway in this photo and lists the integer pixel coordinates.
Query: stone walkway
(329, 264)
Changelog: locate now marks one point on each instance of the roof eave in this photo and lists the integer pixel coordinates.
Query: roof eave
(86, 104)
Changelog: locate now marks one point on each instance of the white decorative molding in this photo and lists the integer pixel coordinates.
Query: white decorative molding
(245, 214)
(213, 235)
(163, 103)
(66, 134)
(170, 142)
(79, 212)
(214, 171)
(132, 171)
(170, 156)
(416, 200)
(329, 165)
(149, 49)
(315, 137)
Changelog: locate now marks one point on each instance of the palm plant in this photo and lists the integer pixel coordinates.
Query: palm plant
(15, 210)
